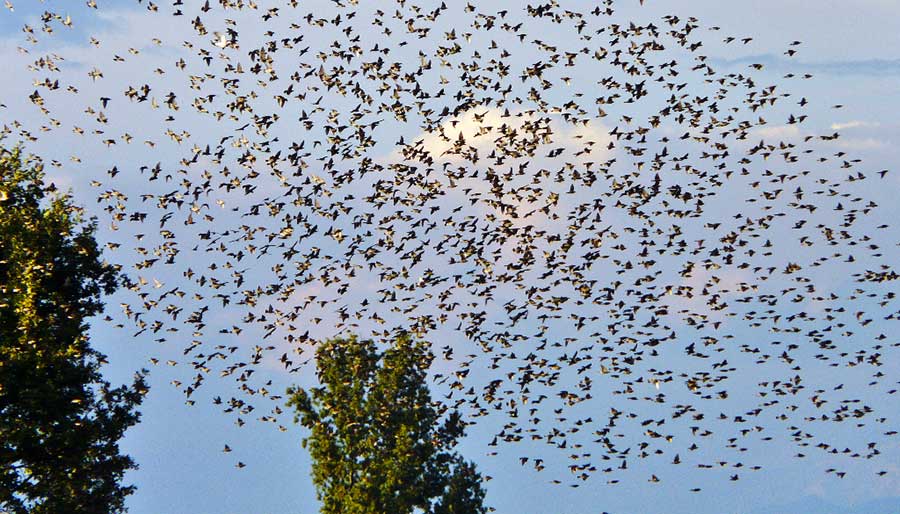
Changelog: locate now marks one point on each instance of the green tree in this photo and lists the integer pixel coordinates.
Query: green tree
(377, 442)
(60, 422)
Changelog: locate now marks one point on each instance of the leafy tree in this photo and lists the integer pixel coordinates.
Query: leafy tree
(377, 441)
(59, 420)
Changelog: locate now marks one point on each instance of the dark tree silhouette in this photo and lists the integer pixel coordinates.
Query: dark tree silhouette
(377, 442)
(59, 420)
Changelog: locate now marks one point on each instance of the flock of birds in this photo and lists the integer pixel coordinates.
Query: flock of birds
(619, 251)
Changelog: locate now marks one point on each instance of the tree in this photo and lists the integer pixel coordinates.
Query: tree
(60, 422)
(377, 441)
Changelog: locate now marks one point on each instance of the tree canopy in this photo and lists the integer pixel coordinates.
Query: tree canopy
(60, 422)
(377, 442)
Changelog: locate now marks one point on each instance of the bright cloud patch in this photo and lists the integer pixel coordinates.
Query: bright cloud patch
(489, 129)
(852, 124)
(778, 132)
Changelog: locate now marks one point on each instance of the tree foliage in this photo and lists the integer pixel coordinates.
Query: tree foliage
(59, 420)
(377, 442)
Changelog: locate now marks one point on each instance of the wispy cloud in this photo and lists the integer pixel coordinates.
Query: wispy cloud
(488, 128)
(872, 67)
(778, 132)
(853, 124)
(868, 143)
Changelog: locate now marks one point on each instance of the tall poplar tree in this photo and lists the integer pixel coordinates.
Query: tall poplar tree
(377, 442)
(60, 422)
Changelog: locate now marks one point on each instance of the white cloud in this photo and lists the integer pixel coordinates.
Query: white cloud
(868, 143)
(478, 127)
(486, 128)
(778, 132)
(852, 124)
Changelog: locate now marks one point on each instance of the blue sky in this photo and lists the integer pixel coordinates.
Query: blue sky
(850, 50)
